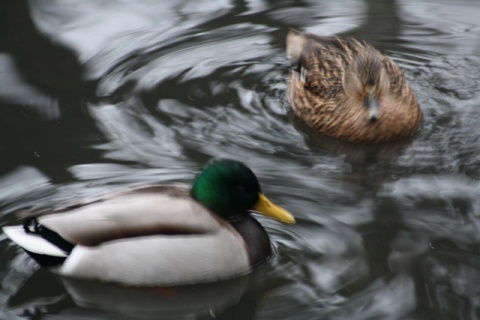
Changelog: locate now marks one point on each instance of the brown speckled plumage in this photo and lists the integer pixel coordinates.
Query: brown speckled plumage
(330, 82)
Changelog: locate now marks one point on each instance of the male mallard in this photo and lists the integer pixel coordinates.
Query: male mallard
(349, 90)
(158, 235)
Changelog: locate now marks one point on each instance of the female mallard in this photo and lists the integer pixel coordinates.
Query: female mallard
(349, 90)
(158, 235)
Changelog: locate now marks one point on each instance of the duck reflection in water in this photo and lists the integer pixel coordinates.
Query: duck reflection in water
(222, 300)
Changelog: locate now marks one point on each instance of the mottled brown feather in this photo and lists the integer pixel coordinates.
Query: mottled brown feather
(317, 93)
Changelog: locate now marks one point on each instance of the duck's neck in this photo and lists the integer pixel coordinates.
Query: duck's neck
(256, 240)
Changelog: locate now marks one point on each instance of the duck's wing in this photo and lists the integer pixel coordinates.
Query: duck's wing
(177, 189)
(319, 65)
(132, 213)
(315, 52)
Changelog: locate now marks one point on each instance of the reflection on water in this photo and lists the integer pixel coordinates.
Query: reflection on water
(71, 296)
(100, 95)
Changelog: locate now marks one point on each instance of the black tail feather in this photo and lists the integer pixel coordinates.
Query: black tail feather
(46, 260)
(33, 226)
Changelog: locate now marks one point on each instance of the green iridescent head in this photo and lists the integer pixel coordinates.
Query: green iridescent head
(230, 189)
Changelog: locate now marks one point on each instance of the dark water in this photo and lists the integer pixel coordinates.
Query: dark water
(102, 94)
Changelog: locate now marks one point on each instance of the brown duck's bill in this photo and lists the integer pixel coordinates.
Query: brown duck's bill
(268, 208)
(371, 103)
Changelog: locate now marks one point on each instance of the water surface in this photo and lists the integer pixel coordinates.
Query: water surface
(108, 93)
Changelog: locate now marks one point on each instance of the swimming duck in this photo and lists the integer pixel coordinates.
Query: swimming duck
(347, 89)
(158, 235)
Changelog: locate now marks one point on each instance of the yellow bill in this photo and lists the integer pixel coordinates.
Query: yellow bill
(268, 208)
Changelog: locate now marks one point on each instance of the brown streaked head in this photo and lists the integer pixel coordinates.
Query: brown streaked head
(366, 80)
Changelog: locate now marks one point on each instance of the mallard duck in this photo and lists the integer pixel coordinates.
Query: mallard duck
(347, 89)
(158, 235)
